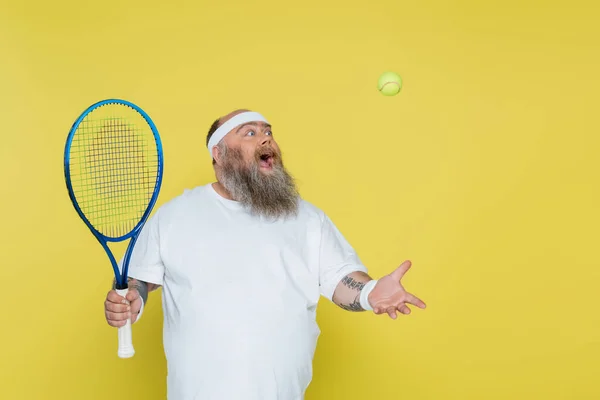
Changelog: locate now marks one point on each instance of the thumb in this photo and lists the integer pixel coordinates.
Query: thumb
(132, 294)
(399, 272)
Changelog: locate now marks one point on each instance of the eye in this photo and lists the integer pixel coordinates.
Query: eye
(250, 133)
(269, 133)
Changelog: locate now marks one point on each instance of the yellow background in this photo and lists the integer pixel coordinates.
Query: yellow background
(484, 172)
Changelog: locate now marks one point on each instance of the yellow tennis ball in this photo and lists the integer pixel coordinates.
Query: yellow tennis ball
(389, 83)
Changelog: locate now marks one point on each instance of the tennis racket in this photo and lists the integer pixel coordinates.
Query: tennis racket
(113, 171)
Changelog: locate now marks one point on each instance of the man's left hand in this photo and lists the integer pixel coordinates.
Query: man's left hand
(388, 295)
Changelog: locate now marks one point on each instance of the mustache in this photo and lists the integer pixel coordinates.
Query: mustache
(266, 152)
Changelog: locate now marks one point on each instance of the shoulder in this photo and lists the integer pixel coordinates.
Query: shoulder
(311, 211)
(190, 197)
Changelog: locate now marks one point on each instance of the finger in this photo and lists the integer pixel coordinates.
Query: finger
(111, 316)
(378, 310)
(132, 294)
(136, 305)
(116, 307)
(117, 324)
(415, 301)
(401, 270)
(114, 297)
(403, 308)
(392, 312)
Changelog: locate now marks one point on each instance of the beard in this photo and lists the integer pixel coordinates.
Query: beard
(273, 195)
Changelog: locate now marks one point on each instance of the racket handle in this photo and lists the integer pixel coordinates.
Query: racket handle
(126, 349)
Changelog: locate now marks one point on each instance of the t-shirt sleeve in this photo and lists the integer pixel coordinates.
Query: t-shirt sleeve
(336, 258)
(146, 263)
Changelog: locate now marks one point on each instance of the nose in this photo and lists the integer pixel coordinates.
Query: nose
(266, 139)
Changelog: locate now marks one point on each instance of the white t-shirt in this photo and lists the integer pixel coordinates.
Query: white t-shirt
(239, 294)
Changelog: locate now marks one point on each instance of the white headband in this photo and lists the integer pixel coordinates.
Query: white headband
(224, 129)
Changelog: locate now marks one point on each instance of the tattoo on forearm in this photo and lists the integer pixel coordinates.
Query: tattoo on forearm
(354, 285)
(354, 306)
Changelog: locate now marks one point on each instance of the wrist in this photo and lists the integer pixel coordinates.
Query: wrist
(364, 294)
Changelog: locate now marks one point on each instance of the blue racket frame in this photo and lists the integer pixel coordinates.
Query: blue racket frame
(121, 277)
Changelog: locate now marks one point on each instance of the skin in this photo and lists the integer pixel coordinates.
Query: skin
(387, 297)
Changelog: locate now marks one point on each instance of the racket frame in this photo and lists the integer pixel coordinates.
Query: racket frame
(121, 277)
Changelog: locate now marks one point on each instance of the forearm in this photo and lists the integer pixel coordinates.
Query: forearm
(348, 291)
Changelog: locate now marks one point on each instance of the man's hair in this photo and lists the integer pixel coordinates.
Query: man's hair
(211, 131)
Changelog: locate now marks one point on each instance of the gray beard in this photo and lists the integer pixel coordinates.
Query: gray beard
(271, 196)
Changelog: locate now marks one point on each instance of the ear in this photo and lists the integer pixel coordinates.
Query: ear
(216, 154)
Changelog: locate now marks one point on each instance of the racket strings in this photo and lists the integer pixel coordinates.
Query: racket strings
(114, 169)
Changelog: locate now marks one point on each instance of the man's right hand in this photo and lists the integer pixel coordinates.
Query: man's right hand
(118, 308)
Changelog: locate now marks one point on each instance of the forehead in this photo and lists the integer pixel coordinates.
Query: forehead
(251, 124)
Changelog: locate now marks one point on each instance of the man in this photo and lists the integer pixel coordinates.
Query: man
(242, 263)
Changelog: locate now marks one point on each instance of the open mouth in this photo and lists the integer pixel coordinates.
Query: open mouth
(266, 160)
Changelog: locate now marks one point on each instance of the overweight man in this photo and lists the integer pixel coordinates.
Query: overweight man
(242, 263)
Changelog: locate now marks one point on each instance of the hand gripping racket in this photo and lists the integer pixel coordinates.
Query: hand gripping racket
(113, 172)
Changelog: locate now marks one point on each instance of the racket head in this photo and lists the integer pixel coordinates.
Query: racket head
(113, 166)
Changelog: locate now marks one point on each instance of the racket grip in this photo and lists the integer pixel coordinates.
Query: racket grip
(126, 349)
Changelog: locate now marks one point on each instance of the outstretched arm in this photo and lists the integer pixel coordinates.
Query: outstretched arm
(348, 291)
(359, 292)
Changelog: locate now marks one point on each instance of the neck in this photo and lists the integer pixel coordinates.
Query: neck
(220, 189)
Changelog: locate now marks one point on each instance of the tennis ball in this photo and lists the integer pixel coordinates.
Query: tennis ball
(389, 83)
